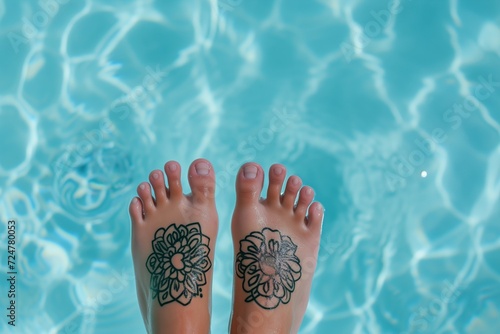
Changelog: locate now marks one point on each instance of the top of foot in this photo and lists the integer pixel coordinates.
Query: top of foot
(173, 238)
(276, 242)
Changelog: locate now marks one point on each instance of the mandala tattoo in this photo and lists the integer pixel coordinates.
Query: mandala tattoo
(269, 267)
(178, 263)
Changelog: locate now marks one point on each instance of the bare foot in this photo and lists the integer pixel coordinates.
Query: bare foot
(276, 247)
(173, 239)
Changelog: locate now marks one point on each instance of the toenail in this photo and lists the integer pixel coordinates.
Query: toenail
(142, 186)
(202, 168)
(295, 181)
(278, 170)
(320, 209)
(309, 191)
(134, 200)
(172, 167)
(156, 176)
(250, 172)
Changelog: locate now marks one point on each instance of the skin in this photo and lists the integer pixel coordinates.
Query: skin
(299, 223)
(171, 206)
(279, 213)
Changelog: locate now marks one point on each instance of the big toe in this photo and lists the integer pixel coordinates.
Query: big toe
(202, 180)
(249, 183)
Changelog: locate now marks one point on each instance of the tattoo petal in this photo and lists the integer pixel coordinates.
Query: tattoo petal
(179, 263)
(268, 266)
(152, 263)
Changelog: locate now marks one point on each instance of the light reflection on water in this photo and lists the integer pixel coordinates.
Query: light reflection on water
(96, 94)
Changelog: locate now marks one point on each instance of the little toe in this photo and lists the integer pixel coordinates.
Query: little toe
(277, 175)
(135, 209)
(315, 216)
(305, 199)
(292, 188)
(173, 170)
(249, 183)
(144, 192)
(158, 181)
(202, 180)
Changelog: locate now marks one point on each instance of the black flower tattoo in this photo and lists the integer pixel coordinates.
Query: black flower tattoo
(178, 263)
(269, 267)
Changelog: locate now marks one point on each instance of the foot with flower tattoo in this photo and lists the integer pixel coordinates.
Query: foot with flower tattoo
(276, 242)
(173, 239)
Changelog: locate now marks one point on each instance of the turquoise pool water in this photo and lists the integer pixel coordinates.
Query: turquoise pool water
(390, 110)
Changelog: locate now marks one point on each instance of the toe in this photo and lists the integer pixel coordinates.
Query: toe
(292, 188)
(277, 175)
(173, 170)
(144, 191)
(305, 198)
(202, 180)
(315, 216)
(135, 210)
(249, 183)
(158, 181)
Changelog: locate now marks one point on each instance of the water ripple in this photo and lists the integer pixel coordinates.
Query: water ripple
(87, 183)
